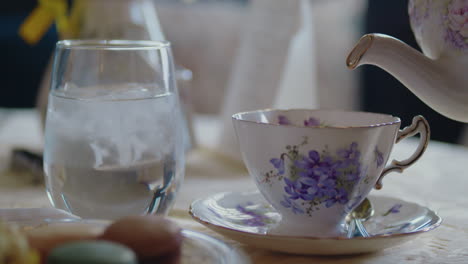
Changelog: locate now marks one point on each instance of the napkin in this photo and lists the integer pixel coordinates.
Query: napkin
(274, 66)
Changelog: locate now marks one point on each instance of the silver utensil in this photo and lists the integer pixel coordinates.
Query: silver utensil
(363, 212)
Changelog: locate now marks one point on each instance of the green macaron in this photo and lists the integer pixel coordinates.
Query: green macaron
(92, 252)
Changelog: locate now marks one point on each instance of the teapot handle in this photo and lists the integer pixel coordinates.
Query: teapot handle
(418, 126)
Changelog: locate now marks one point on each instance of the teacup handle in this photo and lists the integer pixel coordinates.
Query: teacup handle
(418, 126)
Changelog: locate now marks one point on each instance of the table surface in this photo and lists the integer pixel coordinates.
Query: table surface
(437, 181)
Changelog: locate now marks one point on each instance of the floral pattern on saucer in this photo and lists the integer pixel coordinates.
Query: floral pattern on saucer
(394, 209)
(257, 215)
(247, 218)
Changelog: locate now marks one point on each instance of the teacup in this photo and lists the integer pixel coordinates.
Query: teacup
(315, 166)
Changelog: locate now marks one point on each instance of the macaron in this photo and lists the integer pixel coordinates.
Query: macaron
(148, 236)
(92, 252)
(47, 237)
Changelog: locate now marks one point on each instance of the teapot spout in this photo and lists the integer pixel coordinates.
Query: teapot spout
(430, 80)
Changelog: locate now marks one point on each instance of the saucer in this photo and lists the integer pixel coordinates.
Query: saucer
(196, 247)
(247, 217)
(201, 248)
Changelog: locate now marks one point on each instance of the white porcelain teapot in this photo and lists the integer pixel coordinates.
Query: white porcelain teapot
(440, 76)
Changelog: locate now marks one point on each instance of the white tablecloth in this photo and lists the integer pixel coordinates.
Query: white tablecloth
(438, 181)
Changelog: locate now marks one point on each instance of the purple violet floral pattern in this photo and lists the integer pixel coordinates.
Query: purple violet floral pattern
(394, 210)
(289, 203)
(456, 23)
(418, 11)
(379, 159)
(312, 179)
(310, 122)
(257, 218)
(453, 20)
(283, 120)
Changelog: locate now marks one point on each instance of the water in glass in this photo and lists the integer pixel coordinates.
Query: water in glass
(112, 148)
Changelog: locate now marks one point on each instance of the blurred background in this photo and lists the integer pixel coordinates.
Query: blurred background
(205, 36)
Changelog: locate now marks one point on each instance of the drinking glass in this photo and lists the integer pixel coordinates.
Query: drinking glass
(114, 134)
